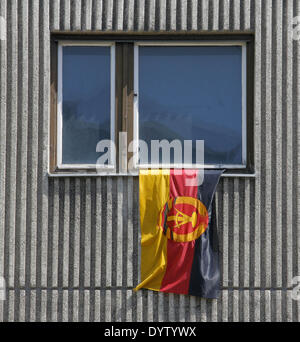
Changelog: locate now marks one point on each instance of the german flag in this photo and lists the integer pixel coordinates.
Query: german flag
(179, 245)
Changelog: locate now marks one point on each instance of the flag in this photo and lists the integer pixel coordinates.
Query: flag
(179, 245)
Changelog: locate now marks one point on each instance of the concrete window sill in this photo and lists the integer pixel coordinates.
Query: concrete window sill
(54, 175)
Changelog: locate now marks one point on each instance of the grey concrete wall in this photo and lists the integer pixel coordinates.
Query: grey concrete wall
(69, 247)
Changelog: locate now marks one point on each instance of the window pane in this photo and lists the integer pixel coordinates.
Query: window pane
(193, 93)
(86, 102)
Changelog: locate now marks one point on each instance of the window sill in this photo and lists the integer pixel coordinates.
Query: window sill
(58, 175)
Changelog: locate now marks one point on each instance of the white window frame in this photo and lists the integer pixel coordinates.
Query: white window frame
(61, 45)
(243, 44)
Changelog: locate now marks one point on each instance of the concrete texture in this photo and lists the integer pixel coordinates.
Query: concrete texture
(69, 247)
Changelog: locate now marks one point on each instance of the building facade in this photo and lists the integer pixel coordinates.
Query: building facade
(69, 246)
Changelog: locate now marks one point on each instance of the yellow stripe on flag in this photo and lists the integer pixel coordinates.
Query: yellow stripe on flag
(154, 193)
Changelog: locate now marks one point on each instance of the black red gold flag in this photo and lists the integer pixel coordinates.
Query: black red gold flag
(179, 242)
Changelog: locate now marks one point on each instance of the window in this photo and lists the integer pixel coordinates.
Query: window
(154, 90)
(85, 102)
(194, 92)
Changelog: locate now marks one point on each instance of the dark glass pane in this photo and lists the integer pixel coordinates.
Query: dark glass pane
(193, 92)
(86, 102)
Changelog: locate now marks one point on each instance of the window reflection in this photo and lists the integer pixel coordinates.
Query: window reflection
(86, 102)
(193, 92)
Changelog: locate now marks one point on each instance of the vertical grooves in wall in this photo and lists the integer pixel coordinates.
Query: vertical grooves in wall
(285, 144)
(225, 248)
(289, 154)
(42, 177)
(65, 15)
(266, 155)
(69, 247)
(296, 135)
(11, 140)
(97, 8)
(55, 14)
(246, 14)
(257, 138)
(277, 161)
(86, 10)
(20, 241)
(3, 145)
(204, 14)
(224, 14)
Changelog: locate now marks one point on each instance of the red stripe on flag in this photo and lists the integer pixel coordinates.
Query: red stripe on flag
(183, 183)
(179, 254)
(179, 263)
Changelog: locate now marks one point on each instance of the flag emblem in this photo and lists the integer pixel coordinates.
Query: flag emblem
(183, 219)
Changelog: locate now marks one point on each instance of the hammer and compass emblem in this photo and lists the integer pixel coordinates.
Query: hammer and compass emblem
(183, 219)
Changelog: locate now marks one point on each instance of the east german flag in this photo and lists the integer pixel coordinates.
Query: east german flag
(179, 245)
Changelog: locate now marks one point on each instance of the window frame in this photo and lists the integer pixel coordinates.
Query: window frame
(243, 45)
(124, 99)
(59, 113)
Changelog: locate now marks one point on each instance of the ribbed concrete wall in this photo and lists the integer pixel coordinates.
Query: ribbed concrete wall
(69, 247)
